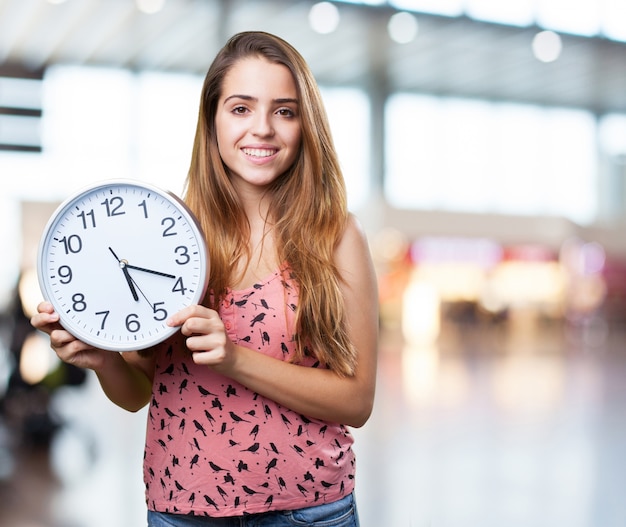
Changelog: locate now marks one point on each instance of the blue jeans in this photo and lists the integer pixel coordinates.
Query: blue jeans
(341, 513)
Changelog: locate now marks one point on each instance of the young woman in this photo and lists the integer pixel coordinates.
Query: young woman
(250, 402)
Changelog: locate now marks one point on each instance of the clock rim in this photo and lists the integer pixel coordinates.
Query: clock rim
(44, 286)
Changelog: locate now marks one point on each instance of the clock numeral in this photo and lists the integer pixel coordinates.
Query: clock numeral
(83, 216)
(144, 205)
(168, 223)
(72, 244)
(132, 324)
(78, 302)
(184, 255)
(179, 287)
(65, 274)
(160, 313)
(104, 315)
(113, 206)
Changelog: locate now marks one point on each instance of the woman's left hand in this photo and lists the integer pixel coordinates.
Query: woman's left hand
(206, 337)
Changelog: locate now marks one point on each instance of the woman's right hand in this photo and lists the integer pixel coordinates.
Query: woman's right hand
(67, 347)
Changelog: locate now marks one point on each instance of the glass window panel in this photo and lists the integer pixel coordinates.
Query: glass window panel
(20, 93)
(166, 125)
(349, 116)
(581, 17)
(613, 17)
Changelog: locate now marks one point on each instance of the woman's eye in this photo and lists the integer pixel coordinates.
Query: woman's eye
(239, 109)
(286, 112)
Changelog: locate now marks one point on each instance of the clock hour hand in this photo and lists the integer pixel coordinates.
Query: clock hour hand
(134, 267)
(129, 280)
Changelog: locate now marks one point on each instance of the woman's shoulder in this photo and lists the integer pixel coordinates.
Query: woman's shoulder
(353, 240)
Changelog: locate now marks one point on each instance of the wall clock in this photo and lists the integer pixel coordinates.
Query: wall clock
(117, 258)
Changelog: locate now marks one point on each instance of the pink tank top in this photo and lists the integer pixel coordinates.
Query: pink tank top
(215, 448)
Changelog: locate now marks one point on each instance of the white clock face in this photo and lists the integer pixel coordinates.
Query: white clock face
(117, 259)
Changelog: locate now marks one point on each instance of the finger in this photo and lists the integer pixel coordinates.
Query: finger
(202, 326)
(60, 338)
(45, 307)
(45, 321)
(179, 318)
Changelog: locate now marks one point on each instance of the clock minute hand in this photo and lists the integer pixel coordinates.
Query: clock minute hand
(129, 280)
(135, 268)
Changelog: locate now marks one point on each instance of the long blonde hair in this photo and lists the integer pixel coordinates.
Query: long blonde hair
(308, 205)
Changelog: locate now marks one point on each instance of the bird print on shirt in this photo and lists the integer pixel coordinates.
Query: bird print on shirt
(216, 448)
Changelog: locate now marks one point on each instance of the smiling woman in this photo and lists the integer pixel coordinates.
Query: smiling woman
(284, 343)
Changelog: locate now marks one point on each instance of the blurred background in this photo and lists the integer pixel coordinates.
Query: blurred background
(484, 148)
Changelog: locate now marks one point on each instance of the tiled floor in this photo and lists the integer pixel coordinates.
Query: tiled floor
(522, 425)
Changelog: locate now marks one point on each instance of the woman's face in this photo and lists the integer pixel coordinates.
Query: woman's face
(258, 122)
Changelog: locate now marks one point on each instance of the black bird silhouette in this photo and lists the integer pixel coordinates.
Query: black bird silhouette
(237, 418)
(203, 391)
(211, 502)
(215, 467)
(303, 490)
(222, 492)
(248, 490)
(252, 448)
(199, 427)
(257, 319)
(272, 464)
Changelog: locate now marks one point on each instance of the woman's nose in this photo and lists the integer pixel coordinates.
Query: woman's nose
(262, 125)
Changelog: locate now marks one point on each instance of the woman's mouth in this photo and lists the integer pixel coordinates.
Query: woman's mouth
(259, 152)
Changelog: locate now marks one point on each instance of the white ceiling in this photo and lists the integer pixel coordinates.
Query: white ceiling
(452, 56)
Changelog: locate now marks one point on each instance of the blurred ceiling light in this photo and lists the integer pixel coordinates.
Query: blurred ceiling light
(324, 17)
(402, 27)
(56, 2)
(547, 46)
(150, 6)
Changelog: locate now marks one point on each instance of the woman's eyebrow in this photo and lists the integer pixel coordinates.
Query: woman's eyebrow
(281, 100)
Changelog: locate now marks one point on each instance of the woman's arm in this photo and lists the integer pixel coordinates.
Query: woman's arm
(314, 392)
(126, 379)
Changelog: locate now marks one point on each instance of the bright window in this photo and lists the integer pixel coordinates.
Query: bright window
(472, 156)
(349, 114)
